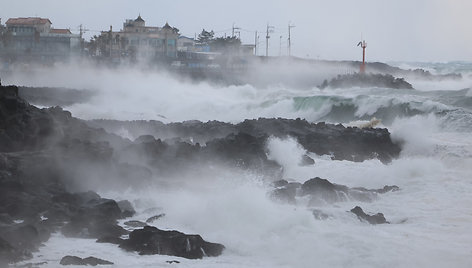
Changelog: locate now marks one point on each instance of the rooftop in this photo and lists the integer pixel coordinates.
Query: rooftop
(139, 19)
(60, 31)
(27, 21)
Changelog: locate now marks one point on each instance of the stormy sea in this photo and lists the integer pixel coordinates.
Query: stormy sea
(104, 163)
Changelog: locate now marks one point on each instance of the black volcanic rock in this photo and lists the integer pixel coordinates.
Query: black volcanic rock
(126, 208)
(49, 160)
(48, 96)
(135, 224)
(378, 218)
(306, 161)
(155, 218)
(367, 80)
(321, 192)
(238, 141)
(95, 219)
(74, 260)
(150, 241)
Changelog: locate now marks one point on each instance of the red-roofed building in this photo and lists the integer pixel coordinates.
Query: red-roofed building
(60, 31)
(33, 39)
(28, 24)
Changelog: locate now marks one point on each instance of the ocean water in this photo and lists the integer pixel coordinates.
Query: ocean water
(430, 216)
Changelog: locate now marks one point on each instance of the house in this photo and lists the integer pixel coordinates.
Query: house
(137, 41)
(185, 44)
(33, 39)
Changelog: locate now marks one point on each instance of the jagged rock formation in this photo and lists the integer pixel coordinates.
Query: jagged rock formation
(366, 80)
(321, 192)
(49, 160)
(378, 218)
(150, 240)
(48, 96)
(249, 137)
(43, 153)
(74, 260)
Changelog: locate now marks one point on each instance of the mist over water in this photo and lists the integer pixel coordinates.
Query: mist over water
(430, 216)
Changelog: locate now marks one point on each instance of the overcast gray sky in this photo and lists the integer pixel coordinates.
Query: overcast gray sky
(395, 30)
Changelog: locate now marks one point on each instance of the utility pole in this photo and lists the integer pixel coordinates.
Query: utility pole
(255, 44)
(82, 30)
(280, 47)
(290, 39)
(234, 28)
(269, 30)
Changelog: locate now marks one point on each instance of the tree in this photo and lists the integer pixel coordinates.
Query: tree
(226, 43)
(205, 37)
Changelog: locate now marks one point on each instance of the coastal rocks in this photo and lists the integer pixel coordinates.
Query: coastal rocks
(48, 96)
(235, 143)
(366, 80)
(126, 208)
(150, 240)
(74, 260)
(155, 218)
(9, 254)
(306, 161)
(378, 218)
(322, 192)
(22, 126)
(135, 224)
(95, 219)
(342, 143)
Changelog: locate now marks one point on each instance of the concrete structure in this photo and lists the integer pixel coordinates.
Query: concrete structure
(139, 42)
(185, 44)
(33, 39)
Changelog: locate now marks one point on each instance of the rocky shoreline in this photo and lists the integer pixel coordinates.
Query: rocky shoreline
(47, 158)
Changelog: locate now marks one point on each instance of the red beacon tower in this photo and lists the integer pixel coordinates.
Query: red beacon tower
(362, 44)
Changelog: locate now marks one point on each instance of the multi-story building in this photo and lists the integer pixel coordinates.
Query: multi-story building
(137, 41)
(33, 39)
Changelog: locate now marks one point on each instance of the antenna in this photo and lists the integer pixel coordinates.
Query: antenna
(269, 30)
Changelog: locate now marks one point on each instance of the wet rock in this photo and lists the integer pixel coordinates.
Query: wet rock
(110, 239)
(9, 253)
(22, 237)
(280, 183)
(286, 193)
(48, 96)
(150, 240)
(126, 208)
(388, 188)
(92, 228)
(155, 218)
(367, 80)
(145, 139)
(306, 161)
(95, 261)
(135, 224)
(378, 218)
(74, 260)
(322, 192)
(95, 219)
